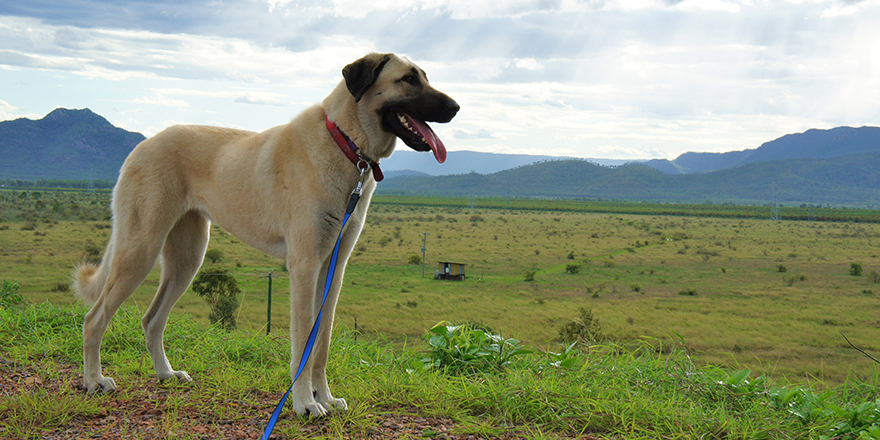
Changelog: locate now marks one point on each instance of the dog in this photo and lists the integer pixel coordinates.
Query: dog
(283, 191)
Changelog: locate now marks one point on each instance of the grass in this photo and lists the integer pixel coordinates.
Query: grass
(744, 313)
(738, 312)
(607, 391)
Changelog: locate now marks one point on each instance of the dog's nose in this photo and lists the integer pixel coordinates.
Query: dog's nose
(452, 107)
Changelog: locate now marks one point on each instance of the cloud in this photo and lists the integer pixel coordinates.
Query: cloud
(481, 133)
(255, 98)
(160, 100)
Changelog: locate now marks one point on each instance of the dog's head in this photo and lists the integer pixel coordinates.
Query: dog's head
(403, 100)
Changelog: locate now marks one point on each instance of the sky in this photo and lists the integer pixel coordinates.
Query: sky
(616, 79)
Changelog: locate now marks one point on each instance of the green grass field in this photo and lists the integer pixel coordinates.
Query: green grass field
(774, 297)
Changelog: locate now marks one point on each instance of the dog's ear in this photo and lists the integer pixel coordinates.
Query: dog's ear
(361, 74)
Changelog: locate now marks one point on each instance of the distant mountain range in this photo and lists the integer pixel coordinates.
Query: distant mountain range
(66, 144)
(840, 166)
(812, 144)
(852, 180)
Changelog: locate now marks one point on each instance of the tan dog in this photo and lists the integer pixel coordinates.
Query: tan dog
(283, 191)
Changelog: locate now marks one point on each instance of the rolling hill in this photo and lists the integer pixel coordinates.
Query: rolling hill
(852, 180)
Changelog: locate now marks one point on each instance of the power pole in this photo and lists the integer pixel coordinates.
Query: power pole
(812, 217)
(424, 245)
(774, 208)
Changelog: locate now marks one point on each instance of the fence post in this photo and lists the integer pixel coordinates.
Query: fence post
(269, 304)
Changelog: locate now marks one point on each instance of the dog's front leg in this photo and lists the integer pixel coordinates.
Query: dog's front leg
(303, 279)
(322, 344)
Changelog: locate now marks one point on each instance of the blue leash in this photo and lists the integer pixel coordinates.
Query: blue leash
(307, 351)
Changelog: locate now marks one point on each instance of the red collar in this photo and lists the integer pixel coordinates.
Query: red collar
(350, 149)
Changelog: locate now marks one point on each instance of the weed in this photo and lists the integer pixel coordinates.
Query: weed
(855, 269)
(781, 268)
(462, 349)
(9, 293)
(688, 292)
(572, 268)
(585, 328)
(636, 288)
(529, 275)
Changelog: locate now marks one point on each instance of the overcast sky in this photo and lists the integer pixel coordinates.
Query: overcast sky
(587, 78)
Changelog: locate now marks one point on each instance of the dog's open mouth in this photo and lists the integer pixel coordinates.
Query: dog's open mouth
(415, 133)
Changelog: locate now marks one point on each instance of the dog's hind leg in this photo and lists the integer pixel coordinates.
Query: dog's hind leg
(129, 267)
(181, 258)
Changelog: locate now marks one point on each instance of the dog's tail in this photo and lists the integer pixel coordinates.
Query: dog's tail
(89, 278)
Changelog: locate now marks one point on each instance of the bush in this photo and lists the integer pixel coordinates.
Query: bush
(219, 288)
(9, 294)
(214, 255)
(529, 275)
(688, 292)
(781, 268)
(572, 268)
(92, 254)
(468, 349)
(414, 259)
(583, 328)
(874, 277)
(855, 269)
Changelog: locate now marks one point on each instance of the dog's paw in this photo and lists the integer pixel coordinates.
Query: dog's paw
(181, 375)
(312, 409)
(335, 405)
(104, 385)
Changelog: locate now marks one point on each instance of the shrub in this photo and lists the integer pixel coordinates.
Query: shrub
(572, 268)
(635, 288)
(688, 292)
(467, 349)
(9, 294)
(874, 277)
(781, 268)
(583, 328)
(529, 275)
(219, 288)
(214, 255)
(92, 254)
(414, 259)
(855, 269)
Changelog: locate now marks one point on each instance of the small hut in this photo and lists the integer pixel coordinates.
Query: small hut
(450, 271)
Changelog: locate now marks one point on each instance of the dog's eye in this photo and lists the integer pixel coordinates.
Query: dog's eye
(409, 79)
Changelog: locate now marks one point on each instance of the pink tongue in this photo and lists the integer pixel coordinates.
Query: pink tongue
(433, 141)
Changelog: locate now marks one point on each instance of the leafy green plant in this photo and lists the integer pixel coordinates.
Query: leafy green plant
(529, 275)
(414, 259)
(688, 292)
(214, 255)
(855, 269)
(567, 359)
(572, 268)
(584, 328)
(463, 349)
(219, 288)
(9, 293)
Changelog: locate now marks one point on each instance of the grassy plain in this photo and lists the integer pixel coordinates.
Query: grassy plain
(774, 297)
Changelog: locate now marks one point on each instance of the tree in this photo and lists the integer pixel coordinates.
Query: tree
(219, 288)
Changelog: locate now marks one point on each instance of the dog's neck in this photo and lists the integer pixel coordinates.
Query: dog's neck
(350, 149)
(341, 108)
